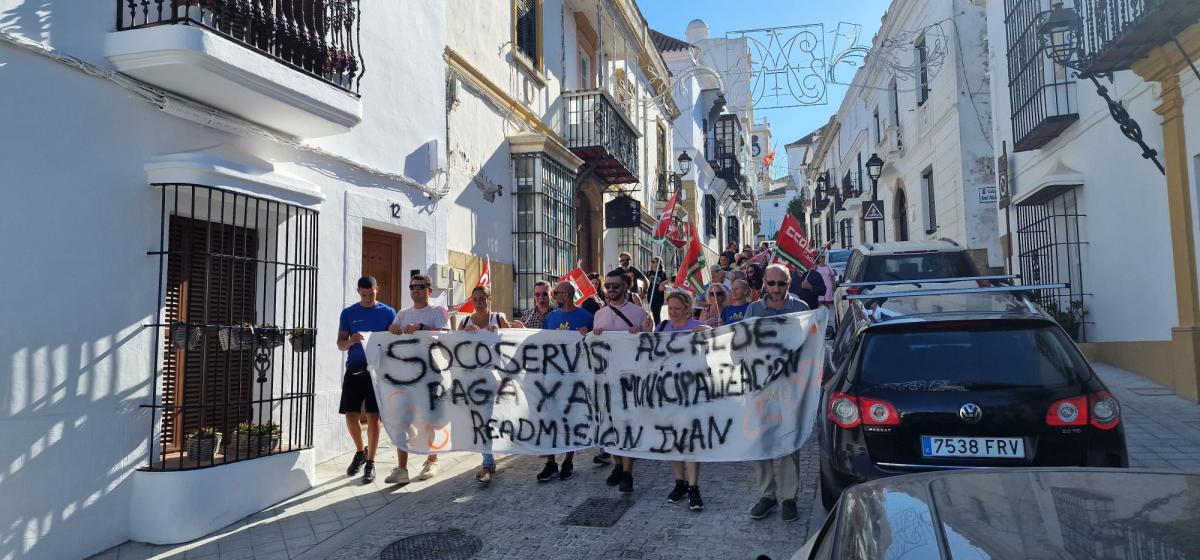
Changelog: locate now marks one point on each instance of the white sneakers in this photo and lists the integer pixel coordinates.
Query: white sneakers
(428, 470)
(400, 476)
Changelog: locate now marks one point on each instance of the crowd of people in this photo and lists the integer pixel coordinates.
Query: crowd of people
(741, 285)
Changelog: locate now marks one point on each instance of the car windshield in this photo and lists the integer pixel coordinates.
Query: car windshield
(918, 266)
(839, 257)
(955, 358)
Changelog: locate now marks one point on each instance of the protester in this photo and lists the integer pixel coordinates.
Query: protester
(829, 276)
(735, 307)
(740, 261)
(725, 261)
(657, 288)
(631, 280)
(594, 303)
(687, 473)
(754, 278)
(716, 275)
(358, 391)
(807, 286)
(626, 264)
(566, 317)
(484, 318)
(715, 301)
(621, 315)
(536, 315)
(777, 300)
(420, 317)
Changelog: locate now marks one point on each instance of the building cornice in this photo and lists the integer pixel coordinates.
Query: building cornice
(532, 142)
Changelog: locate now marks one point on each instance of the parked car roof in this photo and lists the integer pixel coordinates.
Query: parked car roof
(1021, 513)
(902, 246)
(880, 308)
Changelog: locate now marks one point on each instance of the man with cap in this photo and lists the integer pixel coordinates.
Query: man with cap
(358, 393)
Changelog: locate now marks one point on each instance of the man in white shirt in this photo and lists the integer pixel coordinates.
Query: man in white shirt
(620, 315)
(420, 317)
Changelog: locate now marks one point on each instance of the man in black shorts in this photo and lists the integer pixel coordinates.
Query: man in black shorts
(358, 392)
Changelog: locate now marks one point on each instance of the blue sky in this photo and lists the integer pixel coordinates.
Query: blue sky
(787, 124)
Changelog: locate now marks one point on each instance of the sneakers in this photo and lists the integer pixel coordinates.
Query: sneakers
(615, 477)
(567, 471)
(369, 472)
(428, 470)
(681, 490)
(762, 508)
(398, 476)
(484, 476)
(626, 482)
(788, 511)
(694, 501)
(601, 458)
(548, 472)
(356, 463)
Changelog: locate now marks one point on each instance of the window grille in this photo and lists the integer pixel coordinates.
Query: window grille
(1049, 251)
(847, 233)
(733, 231)
(527, 20)
(543, 223)
(710, 216)
(930, 201)
(1042, 93)
(923, 69)
(238, 281)
(637, 241)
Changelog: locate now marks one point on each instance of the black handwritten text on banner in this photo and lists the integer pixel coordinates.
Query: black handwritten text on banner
(739, 392)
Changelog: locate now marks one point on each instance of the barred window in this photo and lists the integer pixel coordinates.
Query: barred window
(543, 223)
(637, 241)
(1049, 241)
(710, 216)
(930, 200)
(923, 69)
(733, 231)
(847, 233)
(527, 21)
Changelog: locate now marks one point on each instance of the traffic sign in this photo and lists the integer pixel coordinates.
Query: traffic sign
(872, 210)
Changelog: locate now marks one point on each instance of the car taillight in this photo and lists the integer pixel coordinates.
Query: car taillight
(852, 290)
(843, 410)
(878, 413)
(1068, 412)
(1106, 411)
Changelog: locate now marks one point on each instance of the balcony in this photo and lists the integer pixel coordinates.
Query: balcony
(600, 134)
(723, 147)
(289, 65)
(1041, 93)
(1117, 34)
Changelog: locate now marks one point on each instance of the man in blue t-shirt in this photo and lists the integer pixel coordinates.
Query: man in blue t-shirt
(735, 309)
(566, 317)
(358, 393)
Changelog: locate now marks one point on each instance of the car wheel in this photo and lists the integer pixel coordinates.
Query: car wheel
(829, 494)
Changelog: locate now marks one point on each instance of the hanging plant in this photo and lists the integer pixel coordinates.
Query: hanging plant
(202, 444)
(303, 340)
(185, 336)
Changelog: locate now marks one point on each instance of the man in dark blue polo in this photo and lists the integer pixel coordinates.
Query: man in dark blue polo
(358, 393)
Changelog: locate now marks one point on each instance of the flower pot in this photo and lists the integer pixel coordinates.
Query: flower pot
(303, 340)
(268, 337)
(186, 336)
(236, 338)
(203, 448)
(255, 444)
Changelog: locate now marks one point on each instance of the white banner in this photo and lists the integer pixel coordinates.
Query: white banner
(740, 392)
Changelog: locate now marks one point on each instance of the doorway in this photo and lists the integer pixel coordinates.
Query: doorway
(901, 215)
(381, 259)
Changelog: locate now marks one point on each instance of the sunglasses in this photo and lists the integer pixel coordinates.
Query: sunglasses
(613, 286)
(415, 287)
(775, 282)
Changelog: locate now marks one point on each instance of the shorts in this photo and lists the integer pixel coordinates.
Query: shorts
(358, 392)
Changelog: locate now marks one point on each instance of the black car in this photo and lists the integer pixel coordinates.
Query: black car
(1037, 513)
(957, 378)
(902, 260)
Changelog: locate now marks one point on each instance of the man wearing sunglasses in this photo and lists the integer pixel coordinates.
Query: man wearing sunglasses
(566, 317)
(776, 300)
(536, 316)
(420, 317)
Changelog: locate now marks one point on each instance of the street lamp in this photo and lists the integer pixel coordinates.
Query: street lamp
(874, 170)
(685, 162)
(1061, 36)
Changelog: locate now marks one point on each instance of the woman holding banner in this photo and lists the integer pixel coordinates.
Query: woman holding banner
(484, 318)
(687, 474)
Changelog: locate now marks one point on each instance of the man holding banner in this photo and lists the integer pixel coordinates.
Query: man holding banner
(566, 317)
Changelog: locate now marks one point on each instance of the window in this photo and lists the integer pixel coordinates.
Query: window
(847, 233)
(930, 200)
(1048, 244)
(733, 232)
(637, 241)
(1042, 94)
(527, 29)
(923, 69)
(240, 281)
(878, 129)
(585, 71)
(543, 222)
(710, 216)
(895, 96)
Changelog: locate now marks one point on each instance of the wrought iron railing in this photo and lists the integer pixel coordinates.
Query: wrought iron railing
(1042, 94)
(1117, 33)
(317, 37)
(599, 132)
(234, 368)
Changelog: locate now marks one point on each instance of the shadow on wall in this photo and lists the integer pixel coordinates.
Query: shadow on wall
(73, 434)
(30, 20)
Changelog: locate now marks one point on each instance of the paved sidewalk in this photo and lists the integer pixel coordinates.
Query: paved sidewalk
(516, 517)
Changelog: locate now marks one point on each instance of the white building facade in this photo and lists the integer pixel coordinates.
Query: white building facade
(204, 174)
(921, 102)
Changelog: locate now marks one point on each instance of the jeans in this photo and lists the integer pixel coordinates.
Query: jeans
(489, 461)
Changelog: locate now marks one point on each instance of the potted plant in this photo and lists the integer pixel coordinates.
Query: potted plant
(236, 337)
(268, 336)
(257, 439)
(303, 340)
(1071, 318)
(202, 444)
(186, 336)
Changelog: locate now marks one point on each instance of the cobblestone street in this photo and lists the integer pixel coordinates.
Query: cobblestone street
(517, 517)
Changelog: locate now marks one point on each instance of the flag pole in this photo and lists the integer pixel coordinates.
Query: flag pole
(654, 283)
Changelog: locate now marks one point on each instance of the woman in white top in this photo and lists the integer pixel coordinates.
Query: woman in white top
(484, 318)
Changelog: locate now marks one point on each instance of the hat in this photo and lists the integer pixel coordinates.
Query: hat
(367, 283)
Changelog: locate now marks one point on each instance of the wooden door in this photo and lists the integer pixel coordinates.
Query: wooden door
(381, 259)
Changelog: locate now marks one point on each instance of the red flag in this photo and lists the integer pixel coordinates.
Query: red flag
(668, 224)
(689, 276)
(583, 287)
(793, 246)
(485, 279)
(769, 158)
